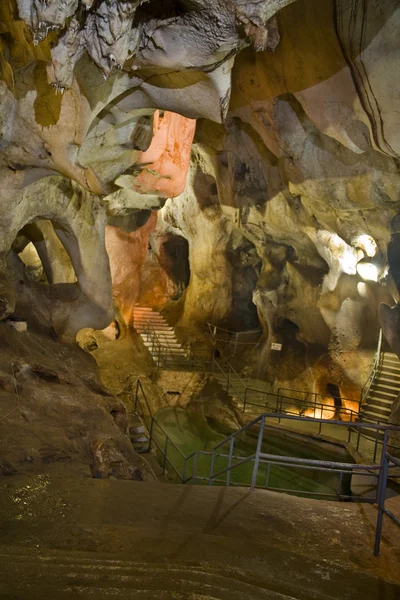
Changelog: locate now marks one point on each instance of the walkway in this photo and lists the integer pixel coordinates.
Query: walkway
(86, 538)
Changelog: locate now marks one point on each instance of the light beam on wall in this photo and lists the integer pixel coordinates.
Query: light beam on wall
(367, 271)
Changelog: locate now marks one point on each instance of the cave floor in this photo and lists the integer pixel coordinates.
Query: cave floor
(71, 537)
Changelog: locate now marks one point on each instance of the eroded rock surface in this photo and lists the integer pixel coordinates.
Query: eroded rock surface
(54, 410)
(282, 210)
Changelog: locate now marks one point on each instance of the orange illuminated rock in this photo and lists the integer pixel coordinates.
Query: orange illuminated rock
(127, 252)
(166, 162)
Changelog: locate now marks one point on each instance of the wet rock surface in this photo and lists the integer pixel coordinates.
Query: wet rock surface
(55, 412)
(134, 541)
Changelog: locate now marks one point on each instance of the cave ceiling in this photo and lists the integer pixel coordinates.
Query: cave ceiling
(265, 132)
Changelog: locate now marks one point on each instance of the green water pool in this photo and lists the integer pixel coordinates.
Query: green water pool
(190, 432)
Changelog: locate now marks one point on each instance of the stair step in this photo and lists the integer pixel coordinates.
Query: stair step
(137, 429)
(141, 449)
(377, 416)
(163, 342)
(141, 438)
(379, 404)
(372, 408)
(371, 433)
(385, 387)
(376, 393)
(387, 379)
(156, 326)
(392, 367)
(390, 355)
(389, 362)
(155, 321)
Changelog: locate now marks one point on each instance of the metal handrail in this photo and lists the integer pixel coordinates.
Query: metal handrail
(381, 497)
(150, 429)
(160, 348)
(261, 419)
(316, 406)
(283, 391)
(377, 471)
(212, 327)
(375, 368)
(367, 470)
(227, 375)
(280, 398)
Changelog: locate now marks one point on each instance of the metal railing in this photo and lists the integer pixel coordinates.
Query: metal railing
(279, 402)
(312, 397)
(381, 497)
(303, 407)
(375, 368)
(152, 426)
(260, 422)
(195, 354)
(231, 340)
(219, 466)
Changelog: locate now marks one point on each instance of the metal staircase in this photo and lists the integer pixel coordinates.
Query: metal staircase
(384, 389)
(381, 388)
(158, 336)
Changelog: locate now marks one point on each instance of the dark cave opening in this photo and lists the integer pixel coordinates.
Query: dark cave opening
(333, 390)
(174, 259)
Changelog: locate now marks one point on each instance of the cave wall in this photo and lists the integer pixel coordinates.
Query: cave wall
(286, 197)
(97, 112)
(305, 168)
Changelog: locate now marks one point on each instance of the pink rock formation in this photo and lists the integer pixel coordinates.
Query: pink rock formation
(166, 162)
(127, 252)
(164, 170)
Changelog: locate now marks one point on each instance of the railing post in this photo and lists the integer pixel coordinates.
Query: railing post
(184, 470)
(268, 473)
(228, 473)
(257, 457)
(339, 490)
(194, 467)
(165, 454)
(376, 443)
(210, 480)
(150, 434)
(381, 493)
(245, 400)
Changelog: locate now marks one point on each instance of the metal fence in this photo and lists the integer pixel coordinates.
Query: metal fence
(387, 461)
(232, 462)
(375, 368)
(283, 401)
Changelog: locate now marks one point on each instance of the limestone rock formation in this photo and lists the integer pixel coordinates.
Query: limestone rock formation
(114, 63)
(277, 212)
(55, 413)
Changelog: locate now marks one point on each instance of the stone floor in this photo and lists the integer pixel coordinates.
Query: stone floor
(70, 537)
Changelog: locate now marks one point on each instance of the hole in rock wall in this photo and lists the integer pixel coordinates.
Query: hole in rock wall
(33, 264)
(45, 258)
(161, 10)
(333, 391)
(205, 189)
(174, 259)
(245, 274)
(166, 272)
